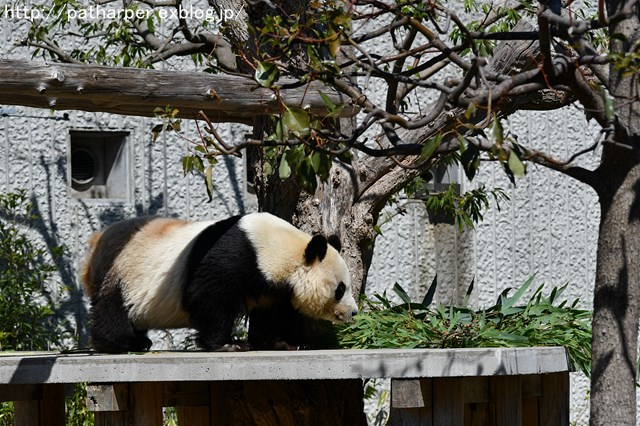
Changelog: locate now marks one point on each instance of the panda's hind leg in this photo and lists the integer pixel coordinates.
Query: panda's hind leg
(111, 329)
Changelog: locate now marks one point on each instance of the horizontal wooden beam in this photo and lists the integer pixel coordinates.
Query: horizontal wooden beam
(278, 365)
(138, 92)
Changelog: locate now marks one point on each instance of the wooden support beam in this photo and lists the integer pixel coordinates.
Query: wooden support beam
(121, 404)
(134, 91)
(20, 392)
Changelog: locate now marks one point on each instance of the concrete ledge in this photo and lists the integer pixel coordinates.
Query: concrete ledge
(52, 367)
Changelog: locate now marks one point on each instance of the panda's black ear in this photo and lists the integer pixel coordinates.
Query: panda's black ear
(334, 241)
(316, 249)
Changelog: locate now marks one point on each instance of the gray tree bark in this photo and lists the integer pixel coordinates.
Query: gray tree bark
(617, 287)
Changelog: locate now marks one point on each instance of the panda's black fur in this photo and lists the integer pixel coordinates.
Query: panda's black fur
(218, 272)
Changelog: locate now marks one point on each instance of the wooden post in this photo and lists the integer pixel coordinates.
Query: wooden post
(191, 400)
(109, 403)
(145, 401)
(554, 401)
(448, 401)
(477, 401)
(411, 402)
(138, 404)
(506, 396)
(47, 410)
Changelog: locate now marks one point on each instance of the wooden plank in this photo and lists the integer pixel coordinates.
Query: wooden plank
(193, 416)
(109, 403)
(20, 392)
(111, 418)
(47, 411)
(448, 401)
(554, 401)
(476, 389)
(411, 402)
(145, 404)
(52, 408)
(219, 413)
(506, 395)
(112, 397)
(530, 412)
(27, 413)
(408, 417)
(407, 393)
(531, 385)
(186, 394)
(478, 414)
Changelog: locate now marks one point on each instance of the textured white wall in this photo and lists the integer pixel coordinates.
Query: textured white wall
(34, 157)
(549, 228)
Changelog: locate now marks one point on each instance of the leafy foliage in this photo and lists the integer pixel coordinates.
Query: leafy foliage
(540, 321)
(26, 309)
(26, 306)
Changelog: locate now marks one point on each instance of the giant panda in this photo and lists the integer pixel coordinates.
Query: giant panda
(158, 273)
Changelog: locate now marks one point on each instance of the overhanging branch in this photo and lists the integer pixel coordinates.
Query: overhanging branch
(133, 91)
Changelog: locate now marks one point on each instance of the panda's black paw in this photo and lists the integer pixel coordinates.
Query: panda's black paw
(284, 346)
(233, 347)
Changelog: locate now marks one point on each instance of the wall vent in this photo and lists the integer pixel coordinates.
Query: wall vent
(99, 165)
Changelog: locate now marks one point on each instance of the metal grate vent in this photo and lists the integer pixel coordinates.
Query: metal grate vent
(83, 166)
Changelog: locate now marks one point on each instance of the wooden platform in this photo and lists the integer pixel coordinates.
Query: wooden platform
(501, 386)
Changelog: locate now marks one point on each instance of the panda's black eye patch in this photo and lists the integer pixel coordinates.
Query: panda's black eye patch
(340, 291)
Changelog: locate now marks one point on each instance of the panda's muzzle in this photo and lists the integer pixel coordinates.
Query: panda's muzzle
(344, 315)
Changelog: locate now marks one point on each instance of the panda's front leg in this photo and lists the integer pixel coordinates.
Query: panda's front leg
(214, 327)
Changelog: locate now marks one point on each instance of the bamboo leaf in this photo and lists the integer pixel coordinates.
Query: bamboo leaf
(428, 298)
(397, 289)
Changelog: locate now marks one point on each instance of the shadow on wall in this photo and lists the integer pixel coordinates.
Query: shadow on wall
(71, 311)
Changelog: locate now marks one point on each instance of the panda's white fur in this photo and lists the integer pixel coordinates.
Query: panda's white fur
(153, 274)
(144, 265)
(281, 260)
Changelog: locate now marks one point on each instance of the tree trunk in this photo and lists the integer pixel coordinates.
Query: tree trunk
(616, 296)
(617, 287)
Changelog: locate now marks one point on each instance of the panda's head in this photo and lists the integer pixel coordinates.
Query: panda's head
(322, 287)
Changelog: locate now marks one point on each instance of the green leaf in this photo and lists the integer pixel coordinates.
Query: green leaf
(430, 147)
(498, 131)
(470, 160)
(516, 165)
(284, 171)
(428, 298)
(208, 179)
(401, 293)
(267, 74)
(316, 161)
(155, 132)
(331, 107)
(510, 301)
(470, 111)
(187, 164)
(306, 176)
(297, 121)
(609, 110)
